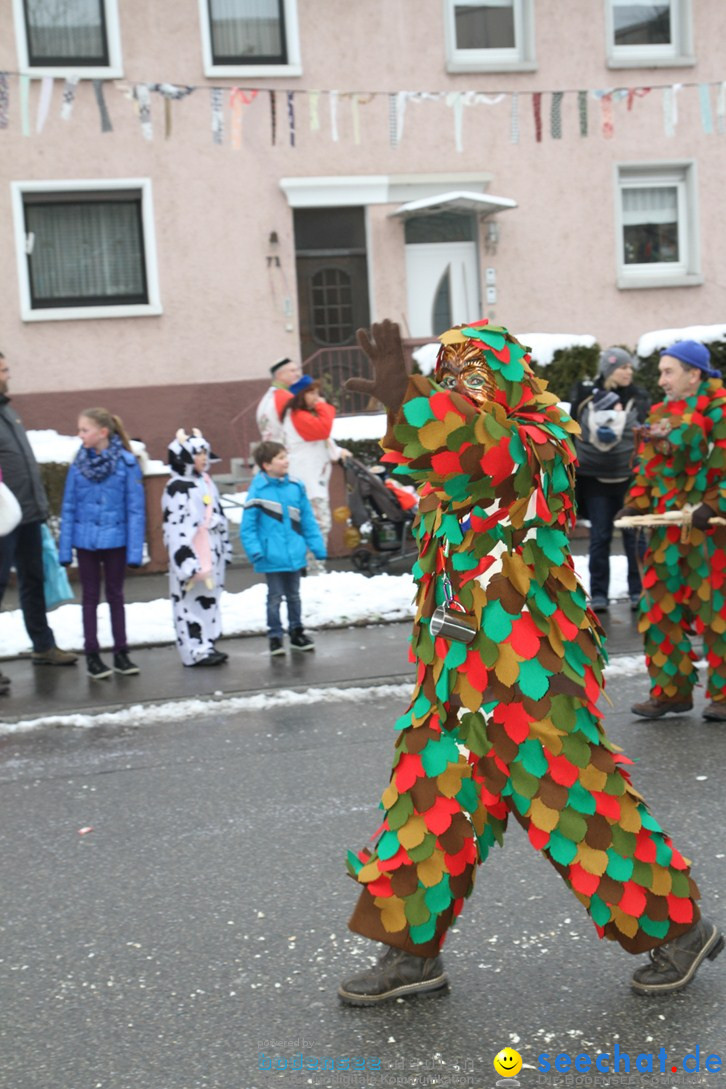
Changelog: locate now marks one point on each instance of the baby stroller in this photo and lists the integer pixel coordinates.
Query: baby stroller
(379, 518)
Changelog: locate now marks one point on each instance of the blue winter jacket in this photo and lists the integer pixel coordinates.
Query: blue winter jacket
(108, 513)
(278, 525)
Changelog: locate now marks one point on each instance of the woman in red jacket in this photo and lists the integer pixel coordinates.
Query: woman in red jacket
(307, 423)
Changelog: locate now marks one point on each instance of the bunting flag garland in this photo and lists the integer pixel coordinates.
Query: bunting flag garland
(514, 120)
(142, 97)
(44, 101)
(556, 116)
(4, 100)
(69, 97)
(25, 105)
(291, 116)
(704, 97)
(333, 100)
(456, 103)
(505, 725)
(582, 111)
(106, 125)
(217, 115)
(314, 103)
(398, 102)
(537, 110)
(273, 117)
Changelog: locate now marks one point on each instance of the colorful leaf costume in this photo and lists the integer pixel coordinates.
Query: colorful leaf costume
(507, 723)
(683, 463)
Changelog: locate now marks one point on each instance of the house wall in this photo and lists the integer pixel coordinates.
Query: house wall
(227, 315)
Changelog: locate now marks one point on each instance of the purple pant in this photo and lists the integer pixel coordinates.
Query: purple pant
(113, 561)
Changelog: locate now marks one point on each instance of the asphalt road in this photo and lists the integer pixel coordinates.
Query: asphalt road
(198, 930)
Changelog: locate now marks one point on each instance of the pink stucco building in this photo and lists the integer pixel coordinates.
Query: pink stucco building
(193, 188)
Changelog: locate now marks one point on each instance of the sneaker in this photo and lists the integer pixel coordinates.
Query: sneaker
(221, 653)
(97, 668)
(654, 708)
(53, 656)
(300, 641)
(4, 685)
(123, 664)
(276, 647)
(713, 712)
(673, 966)
(396, 973)
(600, 605)
(634, 602)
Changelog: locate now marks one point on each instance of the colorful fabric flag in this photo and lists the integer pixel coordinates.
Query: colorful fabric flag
(69, 97)
(4, 100)
(704, 97)
(537, 110)
(217, 115)
(582, 111)
(44, 100)
(142, 96)
(514, 120)
(291, 116)
(106, 125)
(556, 115)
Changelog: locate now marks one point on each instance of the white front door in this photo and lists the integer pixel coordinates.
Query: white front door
(443, 286)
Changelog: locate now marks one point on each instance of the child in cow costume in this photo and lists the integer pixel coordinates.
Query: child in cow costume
(195, 532)
(503, 718)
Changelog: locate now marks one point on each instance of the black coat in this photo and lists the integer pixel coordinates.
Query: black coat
(19, 468)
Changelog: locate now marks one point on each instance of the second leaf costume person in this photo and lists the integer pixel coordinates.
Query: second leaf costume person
(495, 472)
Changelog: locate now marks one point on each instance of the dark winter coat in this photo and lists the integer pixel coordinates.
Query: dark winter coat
(108, 513)
(616, 462)
(19, 467)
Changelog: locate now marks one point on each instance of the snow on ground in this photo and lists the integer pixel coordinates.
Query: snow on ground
(335, 599)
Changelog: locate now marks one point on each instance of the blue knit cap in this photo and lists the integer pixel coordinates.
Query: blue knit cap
(692, 354)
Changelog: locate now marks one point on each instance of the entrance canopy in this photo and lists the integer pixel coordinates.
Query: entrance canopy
(462, 202)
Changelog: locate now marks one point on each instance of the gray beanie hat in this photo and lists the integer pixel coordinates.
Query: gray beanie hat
(612, 358)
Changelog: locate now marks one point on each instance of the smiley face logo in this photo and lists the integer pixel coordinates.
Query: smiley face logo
(508, 1062)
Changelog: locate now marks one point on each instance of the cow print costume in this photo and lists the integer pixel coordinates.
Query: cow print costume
(195, 586)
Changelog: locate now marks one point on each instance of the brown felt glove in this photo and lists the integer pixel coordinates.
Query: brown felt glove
(385, 351)
(701, 516)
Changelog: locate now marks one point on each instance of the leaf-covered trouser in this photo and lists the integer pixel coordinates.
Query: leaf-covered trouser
(684, 595)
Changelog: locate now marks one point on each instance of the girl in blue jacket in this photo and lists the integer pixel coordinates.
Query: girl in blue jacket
(278, 527)
(104, 518)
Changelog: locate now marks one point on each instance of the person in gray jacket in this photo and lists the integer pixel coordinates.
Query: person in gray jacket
(23, 548)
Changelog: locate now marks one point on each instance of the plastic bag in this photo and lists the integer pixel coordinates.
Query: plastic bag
(55, 584)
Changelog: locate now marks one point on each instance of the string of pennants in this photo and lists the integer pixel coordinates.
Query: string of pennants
(228, 106)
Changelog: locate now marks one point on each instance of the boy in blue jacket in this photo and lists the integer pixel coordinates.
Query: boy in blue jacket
(278, 526)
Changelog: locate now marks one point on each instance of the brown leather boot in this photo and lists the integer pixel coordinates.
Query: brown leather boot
(673, 966)
(396, 973)
(655, 708)
(715, 711)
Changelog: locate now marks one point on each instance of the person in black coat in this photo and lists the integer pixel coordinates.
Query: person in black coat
(608, 410)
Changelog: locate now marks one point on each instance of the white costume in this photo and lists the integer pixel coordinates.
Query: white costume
(195, 532)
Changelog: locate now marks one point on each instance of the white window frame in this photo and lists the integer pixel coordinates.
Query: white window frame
(519, 59)
(85, 313)
(687, 271)
(679, 53)
(113, 70)
(292, 41)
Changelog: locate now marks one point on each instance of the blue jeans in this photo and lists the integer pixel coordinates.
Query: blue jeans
(603, 502)
(283, 584)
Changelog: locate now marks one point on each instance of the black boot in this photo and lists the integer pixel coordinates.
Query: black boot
(396, 973)
(673, 965)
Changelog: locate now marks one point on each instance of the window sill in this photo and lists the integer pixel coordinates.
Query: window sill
(628, 283)
(110, 72)
(88, 313)
(460, 66)
(264, 71)
(644, 61)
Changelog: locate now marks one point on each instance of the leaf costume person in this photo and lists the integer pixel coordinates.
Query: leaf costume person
(492, 455)
(682, 464)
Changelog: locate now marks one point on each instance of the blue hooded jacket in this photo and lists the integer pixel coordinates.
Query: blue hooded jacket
(108, 513)
(278, 525)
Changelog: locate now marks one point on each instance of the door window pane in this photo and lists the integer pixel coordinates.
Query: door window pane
(86, 252)
(485, 26)
(332, 306)
(440, 227)
(247, 31)
(642, 24)
(66, 32)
